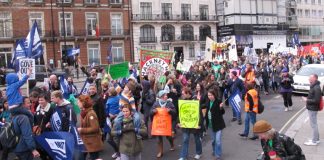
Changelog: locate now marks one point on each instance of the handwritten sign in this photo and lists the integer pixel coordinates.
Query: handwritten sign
(161, 125)
(189, 113)
(24, 64)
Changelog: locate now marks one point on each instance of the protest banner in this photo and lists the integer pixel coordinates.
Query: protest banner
(24, 64)
(162, 125)
(155, 62)
(189, 113)
(120, 70)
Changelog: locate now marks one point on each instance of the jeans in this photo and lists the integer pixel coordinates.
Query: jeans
(287, 99)
(126, 157)
(25, 155)
(313, 123)
(119, 120)
(93, 156)
(185, 143)
(236, 115)
(249, 117)
(217, 143)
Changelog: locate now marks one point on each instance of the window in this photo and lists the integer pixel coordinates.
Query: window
(166, 11)
(117, 52)
(192, 51)
(307, 13)
(5, 56)
(185, 11)
(147, 34)
(5, 25)
(187, 33)
(300, 12)
(314, 13)
(35, 1)
(91, 1)
(313, 1)
(64, 1)
(320, 13)
(204, 31)
(91, 20)
(93, 54)
(146, 10)
(37, 17)
(298, 1)
(115, 1)
(306, 1)
(116, 24)
(319, 2)
(203, 10)
(68, 24)
(168, 33)
(166, 47)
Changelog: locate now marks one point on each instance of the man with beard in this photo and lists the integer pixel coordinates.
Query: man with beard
(98, 105)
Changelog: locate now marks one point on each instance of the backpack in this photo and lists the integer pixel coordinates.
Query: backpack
(321, 104)
(8, 137)
(260, 106)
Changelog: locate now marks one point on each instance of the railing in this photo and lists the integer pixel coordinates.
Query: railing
(115, 2)
(16, 33)
(148, 39)
(167, 38)
(177, 17)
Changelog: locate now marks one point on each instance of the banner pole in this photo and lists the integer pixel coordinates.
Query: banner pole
(27, 88)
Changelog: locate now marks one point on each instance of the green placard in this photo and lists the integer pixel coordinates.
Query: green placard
(120, 70)
(189, 113)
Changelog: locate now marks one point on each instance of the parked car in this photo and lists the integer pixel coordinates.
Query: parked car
(41, 73)
(301, 82)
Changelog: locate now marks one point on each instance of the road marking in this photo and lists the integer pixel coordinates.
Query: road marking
(293, 117)
(278, 96)
(306, 119)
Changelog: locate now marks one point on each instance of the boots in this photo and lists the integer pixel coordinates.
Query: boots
(160, 150)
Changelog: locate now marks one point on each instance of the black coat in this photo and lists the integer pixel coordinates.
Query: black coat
(217, 112)
(314, 97)
(99, 108)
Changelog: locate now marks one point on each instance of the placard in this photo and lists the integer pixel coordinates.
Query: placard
(189, 113)
(24, 64)
(161, 125)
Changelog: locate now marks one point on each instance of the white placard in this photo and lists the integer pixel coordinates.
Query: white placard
(24, 64)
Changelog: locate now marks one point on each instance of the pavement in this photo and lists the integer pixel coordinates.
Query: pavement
(301, 131)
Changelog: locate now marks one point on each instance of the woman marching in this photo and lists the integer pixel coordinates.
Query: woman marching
(215, 121)
(163, 102)
(90, 131)
(187, 95)
(286, 88)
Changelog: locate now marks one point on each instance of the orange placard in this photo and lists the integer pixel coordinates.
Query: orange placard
(162, 125)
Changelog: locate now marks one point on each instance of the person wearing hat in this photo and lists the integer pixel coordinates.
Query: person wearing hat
(163, 102)
(276, 146)
(249, 74)
(233, 85)
(286, 89)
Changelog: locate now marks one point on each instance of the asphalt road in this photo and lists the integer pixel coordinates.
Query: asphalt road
(234, 147)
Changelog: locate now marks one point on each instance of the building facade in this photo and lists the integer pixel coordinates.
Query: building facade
(100, 28)
(255, 23)
(310, 21)
(175, 25)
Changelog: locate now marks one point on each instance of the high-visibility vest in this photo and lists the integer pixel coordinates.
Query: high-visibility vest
(250, 77)
(254, 95)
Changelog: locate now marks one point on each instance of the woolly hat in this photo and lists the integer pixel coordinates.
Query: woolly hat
(261, 126)
(234, 73)
(161, 93)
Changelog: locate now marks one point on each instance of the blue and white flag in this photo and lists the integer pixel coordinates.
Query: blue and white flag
(295, 40)
(59, 145)
(235, 100)
(73, 51)
(33, 43)
(85, 88)
(19, 53)
(78, 143)
(64, 87)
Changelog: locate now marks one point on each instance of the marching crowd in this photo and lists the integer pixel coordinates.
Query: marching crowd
(121, 111)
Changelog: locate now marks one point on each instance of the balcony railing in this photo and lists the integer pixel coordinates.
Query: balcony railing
(148, 39)
(16, 34)
(173, 17)
(116, 3)
(167, 38)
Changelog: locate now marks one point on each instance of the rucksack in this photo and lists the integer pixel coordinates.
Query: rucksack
(8, 137)
(260, 106)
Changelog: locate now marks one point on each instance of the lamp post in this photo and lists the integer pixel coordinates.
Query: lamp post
(53, 34)
(64, 36)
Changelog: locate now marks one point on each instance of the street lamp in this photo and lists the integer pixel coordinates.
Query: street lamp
(53, 33)
(64, 36)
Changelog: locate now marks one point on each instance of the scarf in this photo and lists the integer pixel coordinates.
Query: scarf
(162, 103)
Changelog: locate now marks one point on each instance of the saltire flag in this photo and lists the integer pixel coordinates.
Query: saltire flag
(33, 43)
(64, 87)
(19, 53)
(85, 88)
(59, 145)
(235, 100)
(73, 51)
(78, 143)
(295, 40)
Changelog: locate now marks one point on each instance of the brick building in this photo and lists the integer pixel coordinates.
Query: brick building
(82, 17)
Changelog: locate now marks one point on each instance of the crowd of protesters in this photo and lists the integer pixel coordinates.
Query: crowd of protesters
(129, 104)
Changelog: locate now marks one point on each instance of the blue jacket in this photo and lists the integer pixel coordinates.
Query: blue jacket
(23, 128)
(13, 85)
(112, 105)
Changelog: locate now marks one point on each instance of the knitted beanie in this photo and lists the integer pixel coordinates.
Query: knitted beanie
(261, 126)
